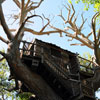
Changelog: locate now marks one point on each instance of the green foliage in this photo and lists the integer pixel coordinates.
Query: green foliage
(95, 3)
(86, 65)
(5, 85)
(24, 95)
(70, 1)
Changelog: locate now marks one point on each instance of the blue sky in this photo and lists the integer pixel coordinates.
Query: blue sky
(52, 7)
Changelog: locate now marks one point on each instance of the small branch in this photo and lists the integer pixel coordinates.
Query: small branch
(27, 4)
(62, 17)
(17, 3)
(89, 35)
(34, 7)
(75, 44)
(4, 25)
(74, 21)
(73, 12)
(4, 40)
(23, 24)
(46, 24)
(83, 21)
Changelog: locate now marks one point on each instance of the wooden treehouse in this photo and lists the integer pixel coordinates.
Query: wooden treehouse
(59, 68)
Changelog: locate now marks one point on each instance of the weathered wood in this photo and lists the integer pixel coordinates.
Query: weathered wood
(60, 69)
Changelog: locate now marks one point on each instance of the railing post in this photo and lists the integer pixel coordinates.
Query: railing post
(42, 55)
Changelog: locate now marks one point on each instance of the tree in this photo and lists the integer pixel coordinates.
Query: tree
(18, 70)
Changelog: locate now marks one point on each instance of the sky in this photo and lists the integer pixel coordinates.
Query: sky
(51, 8)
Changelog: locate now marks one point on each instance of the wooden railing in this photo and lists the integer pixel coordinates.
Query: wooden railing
(83, 67)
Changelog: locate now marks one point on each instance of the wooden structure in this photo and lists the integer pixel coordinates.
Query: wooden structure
(59, 68)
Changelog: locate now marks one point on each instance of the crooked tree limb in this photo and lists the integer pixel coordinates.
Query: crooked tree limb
(4, 25)
(40, 33)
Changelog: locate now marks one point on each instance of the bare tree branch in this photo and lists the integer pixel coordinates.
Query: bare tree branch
(27, 4)
(17, 3)
(40, 33)
(4, 25)
(93, 26)
(34, 7)
(79, 44)
(72, 13)
(73, 36)
(89, 35)
(83, 21)
(22, 27)
(22, 17)
(4, 40)
(62, 16)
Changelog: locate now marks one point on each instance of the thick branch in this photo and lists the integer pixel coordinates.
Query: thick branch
(4, 25)
(22, 17)
(93, 26)
(40, 33)
(4, 40)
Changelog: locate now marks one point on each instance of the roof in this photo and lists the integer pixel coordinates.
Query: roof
(55, 46)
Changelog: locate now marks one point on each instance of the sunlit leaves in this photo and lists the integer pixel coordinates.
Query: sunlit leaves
(70, 1)
(95, 3)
